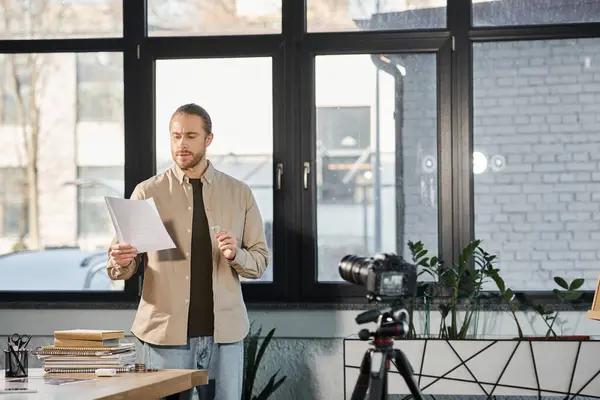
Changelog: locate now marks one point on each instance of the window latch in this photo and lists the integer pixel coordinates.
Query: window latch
(306, 172)
(278, 175)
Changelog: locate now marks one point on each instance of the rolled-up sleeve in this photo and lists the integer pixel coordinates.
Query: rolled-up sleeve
(252, 257)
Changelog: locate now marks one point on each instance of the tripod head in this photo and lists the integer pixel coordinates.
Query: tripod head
(391, 323)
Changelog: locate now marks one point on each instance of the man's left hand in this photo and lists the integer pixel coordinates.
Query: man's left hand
(227, 244)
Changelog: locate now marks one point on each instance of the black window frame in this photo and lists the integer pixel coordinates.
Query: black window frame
(216, 47)
(438, 43)
(293, 51)
(461, 25)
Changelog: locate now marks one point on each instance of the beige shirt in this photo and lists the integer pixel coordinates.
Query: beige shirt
(162, 314)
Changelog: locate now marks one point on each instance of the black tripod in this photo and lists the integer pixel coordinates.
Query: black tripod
(375, 365)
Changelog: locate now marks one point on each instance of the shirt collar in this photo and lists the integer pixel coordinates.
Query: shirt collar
(208, 177)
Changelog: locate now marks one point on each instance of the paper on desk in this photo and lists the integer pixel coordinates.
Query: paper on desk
(138, 223)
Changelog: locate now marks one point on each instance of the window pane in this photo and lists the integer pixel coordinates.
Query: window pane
(67, 19)
(96, 182)
(213, 17)
(374, 15)
(527, 12)
(376, 173)
(537, 149)
(52, 168)
(99, 76)
(242, 119)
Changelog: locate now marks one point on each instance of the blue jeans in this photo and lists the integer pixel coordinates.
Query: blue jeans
(224, 362)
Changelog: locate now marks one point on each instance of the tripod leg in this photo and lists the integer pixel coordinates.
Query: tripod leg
(362, 383)
(379, 367)
(405, 369)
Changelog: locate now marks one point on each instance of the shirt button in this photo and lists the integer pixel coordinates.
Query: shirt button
(189, 230)
(189, 208)
(187, 278)
(187, 254)
(187, 301)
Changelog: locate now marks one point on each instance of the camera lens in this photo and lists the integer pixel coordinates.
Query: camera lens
(354, 269)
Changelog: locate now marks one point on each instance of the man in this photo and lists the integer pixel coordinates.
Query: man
(192, 313)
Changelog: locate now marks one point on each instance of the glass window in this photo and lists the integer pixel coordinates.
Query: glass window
(42, 148)
(376, 156)
(374, 15)
(213, 17)
(527, 12)
(67, 19)
(536, 155)
(13, 210)
(99, 76)
(237, 94)
(15, 75)
(342, 130)
(93, 184)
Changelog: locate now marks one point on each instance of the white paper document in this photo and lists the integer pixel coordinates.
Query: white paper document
(138, 223)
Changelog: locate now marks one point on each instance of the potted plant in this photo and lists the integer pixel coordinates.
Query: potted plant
(549, 315)
(253, 355)
(453, 287)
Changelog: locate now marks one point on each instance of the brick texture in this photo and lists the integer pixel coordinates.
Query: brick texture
(537, 113)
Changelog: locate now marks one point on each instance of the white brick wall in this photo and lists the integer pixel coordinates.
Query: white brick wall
(537, 104)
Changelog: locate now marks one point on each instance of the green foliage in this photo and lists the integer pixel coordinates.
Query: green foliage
(462, 282)
(252, 359)
(570, 293)
(451, 285)
(506, 294)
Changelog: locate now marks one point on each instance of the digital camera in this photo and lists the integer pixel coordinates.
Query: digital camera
(386, 276)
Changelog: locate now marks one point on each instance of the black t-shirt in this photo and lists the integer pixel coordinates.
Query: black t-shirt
(201, 313)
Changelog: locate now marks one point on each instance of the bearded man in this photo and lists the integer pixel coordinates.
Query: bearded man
(191, 313)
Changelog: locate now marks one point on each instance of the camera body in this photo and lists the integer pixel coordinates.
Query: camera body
(385, 276)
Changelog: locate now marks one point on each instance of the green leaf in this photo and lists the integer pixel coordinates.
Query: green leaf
(561, 282)
(433, 261)
(252, 365)
(427, 271)
(541, 309)
(576, 284)
(421, 254)
(271, 387)
(499, 282)
(508, 295)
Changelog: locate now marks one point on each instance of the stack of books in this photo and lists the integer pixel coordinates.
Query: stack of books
(85, 350)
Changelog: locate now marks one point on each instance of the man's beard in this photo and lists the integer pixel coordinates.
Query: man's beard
(191, 163)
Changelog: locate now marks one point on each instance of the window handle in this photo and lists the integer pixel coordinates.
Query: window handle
(306, 172)
(279, 175)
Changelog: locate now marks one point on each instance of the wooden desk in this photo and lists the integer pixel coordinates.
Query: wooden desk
(126, 385)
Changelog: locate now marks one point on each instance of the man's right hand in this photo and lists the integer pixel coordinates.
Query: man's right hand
(122, 254)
